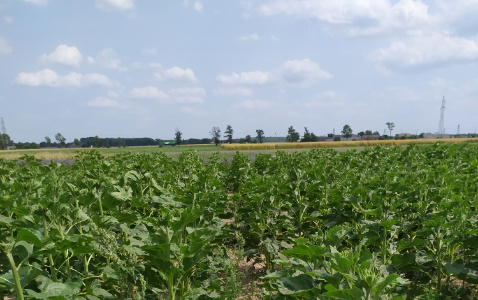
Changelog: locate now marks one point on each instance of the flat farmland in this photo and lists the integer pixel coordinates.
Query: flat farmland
(386, 222)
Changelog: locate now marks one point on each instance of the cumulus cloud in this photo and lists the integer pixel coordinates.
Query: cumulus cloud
(176, 73)
(103, 102)
(5, 47)
(108, 59)
(234, 91)
(180, 95)
(255, 104)
(64, 54)
(427, 51)
(149, 92)
(110, 5)
(246, 78)
(363, 17)
(37, 2)
(194, 111)
(297, 72)
(47, 77)
(188, 95)
(198, 6)
(303, 72)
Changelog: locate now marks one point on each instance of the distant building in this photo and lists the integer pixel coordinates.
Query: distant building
(402, 135)
(367, 137)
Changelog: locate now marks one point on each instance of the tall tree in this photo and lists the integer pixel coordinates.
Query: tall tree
(4, 137)
(76, 142)
(96, 141)
(5, 141)
(368, 132)
(390, 126)
(178, 135)
(61, 139)
(309, 136)
(260, 135)
(292, 135)
(248, 138)
(48, 141)
(347, 131)
(216, 134)
(228, 133)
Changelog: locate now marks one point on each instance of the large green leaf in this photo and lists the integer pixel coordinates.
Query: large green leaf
(345, 294)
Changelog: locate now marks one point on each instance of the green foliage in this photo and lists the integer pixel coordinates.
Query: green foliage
(347, 131)
(260, 135)
(228, 133)
(292, 135)
(216, 135)
(177, 137)
(309, 137)
(383, 223)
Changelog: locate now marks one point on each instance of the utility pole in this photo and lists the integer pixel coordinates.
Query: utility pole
(3, 135)
(441, 125)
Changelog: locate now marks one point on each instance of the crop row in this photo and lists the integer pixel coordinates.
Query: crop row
(383, 223)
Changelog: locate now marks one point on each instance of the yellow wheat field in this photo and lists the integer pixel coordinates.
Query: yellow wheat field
(369, 143)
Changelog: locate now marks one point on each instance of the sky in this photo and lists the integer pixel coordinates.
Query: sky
(131, 68)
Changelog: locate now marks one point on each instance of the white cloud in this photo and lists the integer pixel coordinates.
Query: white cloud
(37, 2)
(110, 5)
(303, 72)
(5, 47)
(246, 78)
(327, 99)
(193, 111)
(188, 95)
(198, 6)
(149, 92)
(255, 104)
(427, 51)
(8, 19)
(250, 37)
(103, 102)
(180, 95)
(107, 58)
(297, 72)
(240, 91)
(47, 77)
(176, 73)
(364, 17)
(64, 54)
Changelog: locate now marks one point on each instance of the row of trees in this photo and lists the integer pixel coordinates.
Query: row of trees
(292, 135)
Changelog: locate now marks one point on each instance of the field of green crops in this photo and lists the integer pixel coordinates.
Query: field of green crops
(383, 223)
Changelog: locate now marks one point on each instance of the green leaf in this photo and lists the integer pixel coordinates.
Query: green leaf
(342, 264)
(30, 237)
(455, 268)
(471, 242)
(380, 287)
(345, 294)
(294, 285)
(5, 220)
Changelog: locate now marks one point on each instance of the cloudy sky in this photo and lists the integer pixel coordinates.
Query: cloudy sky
(130, 68)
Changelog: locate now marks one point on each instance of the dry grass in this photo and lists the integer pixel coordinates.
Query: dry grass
(49, 154)
(369, 143)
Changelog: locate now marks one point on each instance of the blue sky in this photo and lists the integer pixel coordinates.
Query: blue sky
(130, 68)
